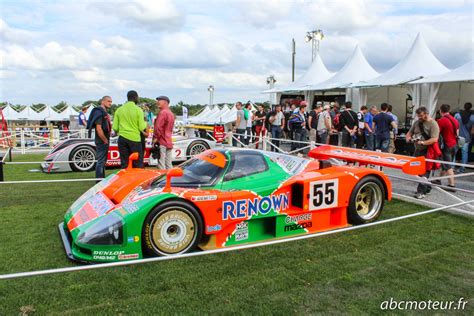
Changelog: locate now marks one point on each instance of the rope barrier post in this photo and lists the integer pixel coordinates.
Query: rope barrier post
(22, 141)
(312, 144)
(1, 170)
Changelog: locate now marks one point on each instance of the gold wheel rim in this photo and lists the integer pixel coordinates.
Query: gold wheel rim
(173, 231)
(368, 200)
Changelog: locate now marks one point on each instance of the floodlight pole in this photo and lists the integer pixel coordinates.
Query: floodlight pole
(211, 95)
(315, 37)
(293, 53)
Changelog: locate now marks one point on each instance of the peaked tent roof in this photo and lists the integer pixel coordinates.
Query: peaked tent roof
(418, 63)
(463, 73)
(356, 69)
(315, 74)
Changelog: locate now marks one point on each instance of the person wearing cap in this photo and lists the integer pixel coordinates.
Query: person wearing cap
(163, 132)
(360, 132)
(129, 125)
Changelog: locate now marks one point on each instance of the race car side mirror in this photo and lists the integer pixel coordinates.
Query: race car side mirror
(133, 157)
(173, 172)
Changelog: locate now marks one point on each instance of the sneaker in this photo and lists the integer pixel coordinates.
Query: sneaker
(419, 196)
(451, 189)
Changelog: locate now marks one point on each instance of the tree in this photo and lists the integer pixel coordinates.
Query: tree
(38, 106)
(60, 106)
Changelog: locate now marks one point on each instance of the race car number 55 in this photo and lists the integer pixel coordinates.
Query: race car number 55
(323, 194)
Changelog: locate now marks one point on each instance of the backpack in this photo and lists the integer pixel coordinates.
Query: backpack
(246, 114)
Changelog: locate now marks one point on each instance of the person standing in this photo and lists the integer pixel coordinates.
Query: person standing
(393, 131)
(466, 129)
(82, 121)
(129, 125)
(369, 128)
(383, 122)
(260, 130)
(249, 118)
(277, 123)
(425, 132)
(361, 124)
(298, 124)
(313, 119)
(240, 125)
(100, 121)
(163, 132)
(324, 125)
(349, 123)
(449, 130)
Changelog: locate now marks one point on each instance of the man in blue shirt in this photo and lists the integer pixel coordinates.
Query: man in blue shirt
(369, 128)
(383, 122)
(466, 125)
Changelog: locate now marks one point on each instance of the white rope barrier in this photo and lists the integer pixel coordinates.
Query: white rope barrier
(426, 181)
(221, 250)
(49, 181)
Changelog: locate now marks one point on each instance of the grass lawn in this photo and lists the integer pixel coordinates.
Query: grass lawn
(424, 258)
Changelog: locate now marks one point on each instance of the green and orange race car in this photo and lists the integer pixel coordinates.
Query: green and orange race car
(226, 197)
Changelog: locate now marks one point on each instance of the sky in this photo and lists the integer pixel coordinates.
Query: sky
(74, 51)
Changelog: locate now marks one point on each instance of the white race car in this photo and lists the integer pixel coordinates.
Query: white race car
(80, 153)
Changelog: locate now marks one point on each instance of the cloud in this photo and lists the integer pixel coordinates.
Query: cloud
(152, 15)
(10, 34)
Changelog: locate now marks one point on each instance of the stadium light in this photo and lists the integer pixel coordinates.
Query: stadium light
(314, 37)
(211, 94)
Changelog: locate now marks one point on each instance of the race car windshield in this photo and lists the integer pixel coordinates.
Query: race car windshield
(196, 172)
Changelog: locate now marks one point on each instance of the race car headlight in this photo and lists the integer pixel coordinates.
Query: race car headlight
(107, 231)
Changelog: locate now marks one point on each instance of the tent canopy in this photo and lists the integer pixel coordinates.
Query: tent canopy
(356, 69)
(463, 73)
(419, 62)
(316, 73)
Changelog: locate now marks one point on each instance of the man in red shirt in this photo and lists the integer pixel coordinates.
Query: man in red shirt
(162, 134)
(449, 129)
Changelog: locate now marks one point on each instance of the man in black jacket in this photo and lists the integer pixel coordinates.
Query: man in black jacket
(349, 124)
(100, 121)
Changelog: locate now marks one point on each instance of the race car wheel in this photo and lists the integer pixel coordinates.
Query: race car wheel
(196, 147)
(82, 158)
(367, 199)
(172, 228)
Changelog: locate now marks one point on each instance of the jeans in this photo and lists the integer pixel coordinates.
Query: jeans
(360, 139)
(248, 135)
(347, 139)
(276, 133)
(126, 148)
(165, 158)
(241, 137)
(101, 151)
(370, 141)
(323, 136)
(465, 155)
(382, 144)
(300, 136)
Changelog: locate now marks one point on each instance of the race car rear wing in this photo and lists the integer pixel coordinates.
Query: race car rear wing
(409, 165)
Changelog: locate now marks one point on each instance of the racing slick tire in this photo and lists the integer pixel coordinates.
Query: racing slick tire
(367, 200)
(81, 157)
(173, 227)
(196, 147)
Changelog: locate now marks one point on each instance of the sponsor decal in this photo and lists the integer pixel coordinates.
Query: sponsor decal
(214, 228)
(129, 206)
(129, 256)
(415, 163)
(204, 198)
(302, 225)
(106, 254)
(372, 157)
(255, 206)
(242, 231)
(298, 218)
(133, 239)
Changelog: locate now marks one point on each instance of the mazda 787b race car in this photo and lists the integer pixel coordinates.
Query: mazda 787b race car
(80, 152)
(226, 197)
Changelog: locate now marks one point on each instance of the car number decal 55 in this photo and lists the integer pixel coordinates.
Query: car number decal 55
(323, 194)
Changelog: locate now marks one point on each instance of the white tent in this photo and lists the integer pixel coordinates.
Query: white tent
(10, 114)
(204, 113)
(419, 62)
(463, 73)
(456, 87)
(316, 74)
(56, 116)
(356, 69)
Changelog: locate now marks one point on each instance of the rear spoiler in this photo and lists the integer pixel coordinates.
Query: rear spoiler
(409, 165)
